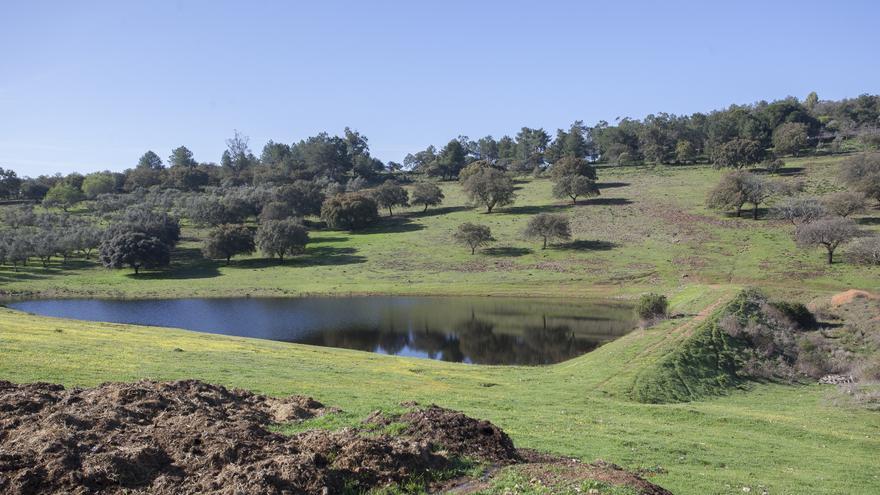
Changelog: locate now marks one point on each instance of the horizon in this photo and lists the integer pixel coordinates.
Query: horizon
(81, 94)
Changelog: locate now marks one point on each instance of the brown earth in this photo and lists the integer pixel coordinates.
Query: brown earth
(849, 296)
(188, 437)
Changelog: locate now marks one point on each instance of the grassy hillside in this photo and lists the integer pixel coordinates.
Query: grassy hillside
(781, 438)
(649, 229)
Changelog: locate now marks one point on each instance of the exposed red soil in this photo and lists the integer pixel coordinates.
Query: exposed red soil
(190, 437)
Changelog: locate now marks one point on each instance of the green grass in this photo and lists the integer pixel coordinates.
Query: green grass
(788, 438)
(649, 230)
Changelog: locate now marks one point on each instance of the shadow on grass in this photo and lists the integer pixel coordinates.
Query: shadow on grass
(391, 225)
(611, 185)
(507, 251)
(605, 202)
(583, 245)
(329, 239)
(529, 210)
(314, 256)
(433, 212)
(868, 221)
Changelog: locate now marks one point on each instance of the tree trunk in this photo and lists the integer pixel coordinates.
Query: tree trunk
(755, 212)
(473, 250)
(545, 243)
(830, 256)
(137, 269)
(738, 211)
(426, 208)
(228, 259)
(390, 213)
(574, 200)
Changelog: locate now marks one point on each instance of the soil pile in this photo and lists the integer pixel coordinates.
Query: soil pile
(460, 434)
(189, 437)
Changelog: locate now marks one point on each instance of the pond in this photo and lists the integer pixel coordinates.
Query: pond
(481, 330)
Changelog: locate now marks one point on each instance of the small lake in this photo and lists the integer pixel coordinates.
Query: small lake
(482, 330)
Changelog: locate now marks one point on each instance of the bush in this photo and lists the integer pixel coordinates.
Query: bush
(350, 211)
(282, 237)
(865, 251)
(796, 313)
(652, 307)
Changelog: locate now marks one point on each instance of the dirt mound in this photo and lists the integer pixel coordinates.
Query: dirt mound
(460, 434)
(189, 437)
(849, 296)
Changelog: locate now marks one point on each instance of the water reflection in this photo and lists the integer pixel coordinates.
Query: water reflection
(472, 330)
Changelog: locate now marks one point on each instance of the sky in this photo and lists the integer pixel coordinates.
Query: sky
(88, 85)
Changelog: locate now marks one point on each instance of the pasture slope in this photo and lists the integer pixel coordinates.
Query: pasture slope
(778, 438)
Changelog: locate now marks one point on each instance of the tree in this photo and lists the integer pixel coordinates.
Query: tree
(150, 160)
(275, 210)
(568, 165)
(789, 138)
(389, 195)
(226, 241)
(63, 195)
(756, 190)
(10, 184)
(134, 249)
(828, 233)
(798, 210)
(428, 194)
(98, 183)
(729, 192)
(350, 211)
(574, 186)
(738, 153)
(303, 197)
(489, 187)
(212, 210)
(685, 151)
(548, 226)
(238, 156)
(844, 203)
(182, 157)
(862, 173)
(473, 235)
(142, 219)
(282, 238)
(449, 162)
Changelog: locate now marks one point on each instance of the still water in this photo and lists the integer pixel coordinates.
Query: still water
(479, 330)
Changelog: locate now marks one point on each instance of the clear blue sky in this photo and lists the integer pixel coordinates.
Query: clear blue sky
(92, 85)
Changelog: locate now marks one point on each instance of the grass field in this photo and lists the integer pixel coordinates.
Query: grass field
(785, 439)
(648, 230)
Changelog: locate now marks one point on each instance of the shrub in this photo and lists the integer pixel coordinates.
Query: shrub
(134, 249)
(547, 226)
(428, 194)
(865, 251)
(350, 211)
(281, 238)
(473, 235)
(652, 307)
(226, 241)
(797, 314)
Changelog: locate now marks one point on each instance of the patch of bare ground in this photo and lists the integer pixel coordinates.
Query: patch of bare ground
(563, 475)
(188, 437)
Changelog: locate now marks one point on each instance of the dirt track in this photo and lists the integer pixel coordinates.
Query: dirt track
(189, 437)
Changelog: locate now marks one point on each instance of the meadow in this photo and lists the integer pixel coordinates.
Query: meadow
(649, 229)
